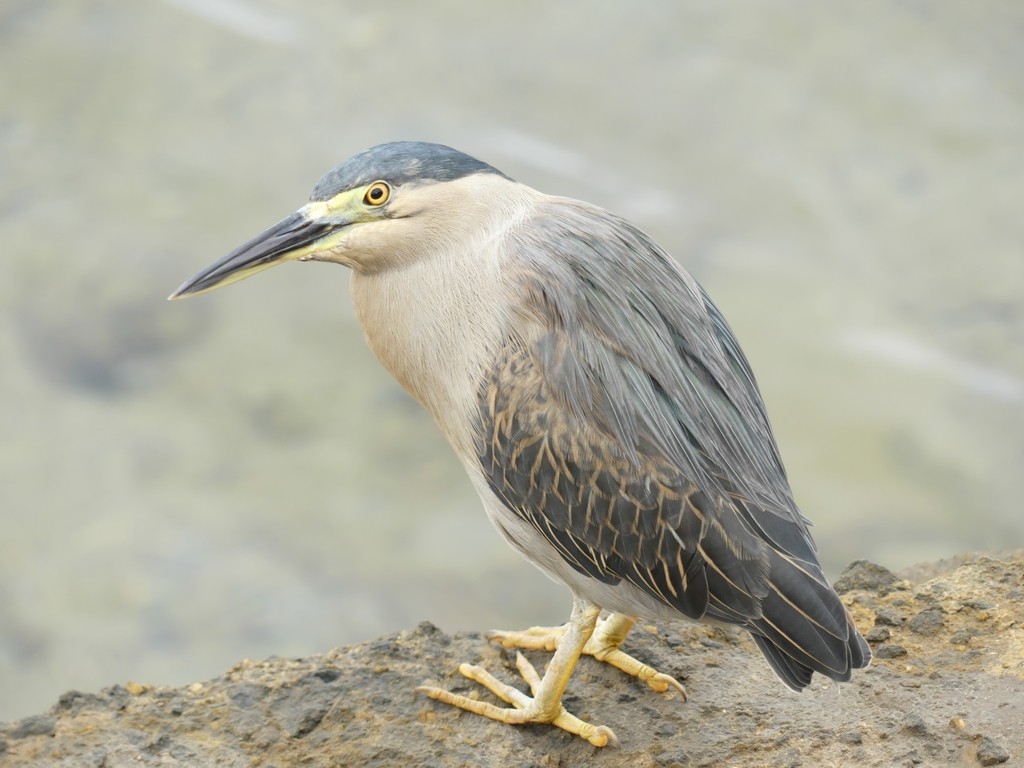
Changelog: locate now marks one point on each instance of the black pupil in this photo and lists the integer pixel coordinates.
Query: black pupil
(376, 193)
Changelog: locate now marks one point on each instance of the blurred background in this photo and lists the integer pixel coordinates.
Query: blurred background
(185, 485)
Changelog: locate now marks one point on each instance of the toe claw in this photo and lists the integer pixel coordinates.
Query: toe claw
(603, 736)
(661, 682)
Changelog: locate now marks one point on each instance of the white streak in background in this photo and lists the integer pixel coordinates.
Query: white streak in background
(243, 19)
(639, 200)
(910, 353)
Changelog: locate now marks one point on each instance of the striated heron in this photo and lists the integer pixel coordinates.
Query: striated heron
(597, 399)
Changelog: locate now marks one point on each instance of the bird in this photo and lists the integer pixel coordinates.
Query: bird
(596, 397)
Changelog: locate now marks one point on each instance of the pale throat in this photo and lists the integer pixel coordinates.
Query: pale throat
(434, 325)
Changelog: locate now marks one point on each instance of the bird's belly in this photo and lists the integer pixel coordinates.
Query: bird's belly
(620, 597)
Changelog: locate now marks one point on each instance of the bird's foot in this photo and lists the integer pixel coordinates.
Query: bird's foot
(525, 709)
(603, 645)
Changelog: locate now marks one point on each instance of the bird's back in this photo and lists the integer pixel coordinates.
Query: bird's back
(622, 427)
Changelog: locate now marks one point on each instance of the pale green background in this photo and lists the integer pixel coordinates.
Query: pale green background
(184, 485)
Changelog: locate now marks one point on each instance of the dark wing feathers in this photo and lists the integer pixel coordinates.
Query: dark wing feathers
(623, 422)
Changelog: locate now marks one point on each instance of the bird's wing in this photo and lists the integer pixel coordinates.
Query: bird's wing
(623, 422)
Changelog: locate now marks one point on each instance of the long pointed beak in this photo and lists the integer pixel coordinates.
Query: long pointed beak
(291, 238)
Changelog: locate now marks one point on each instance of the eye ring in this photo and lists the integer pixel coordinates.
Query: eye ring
(377, 194)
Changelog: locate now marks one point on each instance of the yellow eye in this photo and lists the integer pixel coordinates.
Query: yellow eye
(377, 194)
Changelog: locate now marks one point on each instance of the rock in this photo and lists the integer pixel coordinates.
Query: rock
(861, 574)
(991, 753)
(915, 724)
(851, 737)
(927, 621)
(358, 705)
(36, 725)
(877, 635)
(887, 617)
(890, 651)
(962, 636)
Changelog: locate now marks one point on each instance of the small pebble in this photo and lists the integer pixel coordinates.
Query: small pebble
(887, 616)
(915, 724)
(927, 622)
(940, 589)
(878, 635)
(890, 651)
(963, 636)
(991, 752)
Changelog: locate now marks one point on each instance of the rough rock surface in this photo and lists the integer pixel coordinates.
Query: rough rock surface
(946, 688)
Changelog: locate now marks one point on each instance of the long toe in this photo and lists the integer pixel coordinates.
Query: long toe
(525, 709)
(532, 639)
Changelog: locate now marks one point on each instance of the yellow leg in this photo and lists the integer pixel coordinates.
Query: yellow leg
(546, 704)
(603, 645)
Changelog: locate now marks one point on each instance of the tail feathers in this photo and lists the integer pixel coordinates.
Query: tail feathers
(805, 628)
(860, 653)
(791, 672)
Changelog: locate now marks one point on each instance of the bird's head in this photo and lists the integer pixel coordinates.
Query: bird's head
(374, 210)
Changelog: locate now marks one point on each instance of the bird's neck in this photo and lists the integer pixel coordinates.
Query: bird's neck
(434, 324)
(436, 317)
